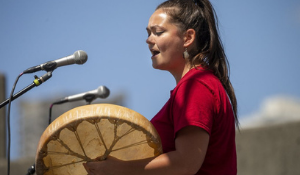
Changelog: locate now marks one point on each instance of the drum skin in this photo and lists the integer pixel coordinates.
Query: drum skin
(94, 131)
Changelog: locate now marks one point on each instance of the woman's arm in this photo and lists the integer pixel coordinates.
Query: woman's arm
(191, 144)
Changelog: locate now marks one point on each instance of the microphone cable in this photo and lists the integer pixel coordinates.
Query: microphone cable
(50, 111)
(8, 124)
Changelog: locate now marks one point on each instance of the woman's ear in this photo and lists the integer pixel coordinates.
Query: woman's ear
(189, 37)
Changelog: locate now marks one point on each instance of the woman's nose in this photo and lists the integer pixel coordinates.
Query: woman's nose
(150, 40)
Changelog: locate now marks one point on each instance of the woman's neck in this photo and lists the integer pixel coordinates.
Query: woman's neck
(181, 72)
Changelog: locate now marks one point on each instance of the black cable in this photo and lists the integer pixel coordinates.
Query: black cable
(8, 124)
(50, 112)
(50, 109)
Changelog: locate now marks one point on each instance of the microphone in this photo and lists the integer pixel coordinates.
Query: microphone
(101, 92)
(79, 57)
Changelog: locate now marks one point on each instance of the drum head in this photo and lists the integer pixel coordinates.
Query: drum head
(95, 131)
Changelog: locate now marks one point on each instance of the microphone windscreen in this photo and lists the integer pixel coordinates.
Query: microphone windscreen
(80, 57)
(103, 92)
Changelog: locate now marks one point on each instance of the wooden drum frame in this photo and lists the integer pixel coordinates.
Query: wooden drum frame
(94, 131)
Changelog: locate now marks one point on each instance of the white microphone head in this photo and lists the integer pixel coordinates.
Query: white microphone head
(80, 57)
(103, 92)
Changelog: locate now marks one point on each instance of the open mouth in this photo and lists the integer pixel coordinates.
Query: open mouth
(154, 53)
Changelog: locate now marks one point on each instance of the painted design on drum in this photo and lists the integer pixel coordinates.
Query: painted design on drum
(79, 154)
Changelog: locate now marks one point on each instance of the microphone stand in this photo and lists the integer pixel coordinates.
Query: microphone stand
(38, 81)
(31, 170)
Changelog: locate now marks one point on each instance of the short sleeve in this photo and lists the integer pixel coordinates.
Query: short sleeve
(193, 105)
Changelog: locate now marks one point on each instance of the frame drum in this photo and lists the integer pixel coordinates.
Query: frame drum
(94, 131)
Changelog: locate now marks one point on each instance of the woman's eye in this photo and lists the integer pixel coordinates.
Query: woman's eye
(158, 33)
(154, 33)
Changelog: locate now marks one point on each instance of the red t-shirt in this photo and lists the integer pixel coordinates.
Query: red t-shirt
(199, 99)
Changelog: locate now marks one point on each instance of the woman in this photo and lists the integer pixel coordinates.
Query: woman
(197, 124)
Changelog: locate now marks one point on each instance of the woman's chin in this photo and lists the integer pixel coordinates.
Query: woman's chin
(155, 65)
(159, 67)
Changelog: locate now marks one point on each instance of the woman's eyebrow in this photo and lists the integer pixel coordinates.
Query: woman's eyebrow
(152, 27)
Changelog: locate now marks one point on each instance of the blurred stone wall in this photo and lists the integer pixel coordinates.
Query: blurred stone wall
(269, 150)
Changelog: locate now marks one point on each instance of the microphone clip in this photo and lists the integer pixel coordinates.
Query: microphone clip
(38, 81)
(89, 98)
(49, 66)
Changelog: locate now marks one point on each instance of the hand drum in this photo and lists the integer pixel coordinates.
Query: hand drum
(94, 131)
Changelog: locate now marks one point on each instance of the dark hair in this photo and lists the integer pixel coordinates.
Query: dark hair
(200, 16)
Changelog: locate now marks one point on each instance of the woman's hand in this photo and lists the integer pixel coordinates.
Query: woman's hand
(105, 167)
(191, 146)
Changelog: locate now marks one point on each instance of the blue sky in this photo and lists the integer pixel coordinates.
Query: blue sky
(261, 39)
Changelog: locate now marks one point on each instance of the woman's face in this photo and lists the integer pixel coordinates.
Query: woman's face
(165, 42)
